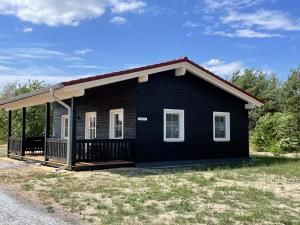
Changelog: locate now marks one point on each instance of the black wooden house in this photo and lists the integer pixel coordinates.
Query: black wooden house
(175, 110)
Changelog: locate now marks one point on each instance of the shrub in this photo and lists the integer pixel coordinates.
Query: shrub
(277, 133)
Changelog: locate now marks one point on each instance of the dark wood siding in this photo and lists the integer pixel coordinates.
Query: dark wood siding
(199, 99)
(102, 99)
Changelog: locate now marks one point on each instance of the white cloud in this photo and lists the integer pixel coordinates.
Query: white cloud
(118, 20)
(221, 68)
(263, 19)
(190, 23)
(245, 33)
(66, 12)
(221, 4)
(36, 53)
(6, 59)
(48, 74)
(125, 6)
(228, 18)
(81, 66)
(83, 51)
(132, 65)
(27, 29)
(22, 64)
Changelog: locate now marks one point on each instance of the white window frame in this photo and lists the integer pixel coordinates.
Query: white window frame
(112, 112)
(63, 126)
(89, 115)
(227, 126)
(180, 112)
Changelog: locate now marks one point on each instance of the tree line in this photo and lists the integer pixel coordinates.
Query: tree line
(274, 127)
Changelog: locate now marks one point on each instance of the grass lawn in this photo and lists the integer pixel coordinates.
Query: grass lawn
(266, 192)
(3, 150)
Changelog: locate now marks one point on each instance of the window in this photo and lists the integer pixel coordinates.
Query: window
(173, 125)
(221, 126)
(90, 125)
(116, 124)
(64, 126)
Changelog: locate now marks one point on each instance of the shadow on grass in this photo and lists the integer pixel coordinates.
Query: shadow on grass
(252, 162)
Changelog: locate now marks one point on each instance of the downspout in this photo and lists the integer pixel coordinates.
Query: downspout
(52, 94)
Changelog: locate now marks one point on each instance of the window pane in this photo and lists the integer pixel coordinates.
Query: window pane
(172, 125)
(66, 127)
(118, 131)
(92, 122)
(92, 133)
(220, 126)
(118, 125)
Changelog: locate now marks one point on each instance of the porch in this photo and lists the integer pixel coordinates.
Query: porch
(88, 154)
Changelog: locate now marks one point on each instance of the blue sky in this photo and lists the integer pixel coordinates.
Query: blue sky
(54, 40)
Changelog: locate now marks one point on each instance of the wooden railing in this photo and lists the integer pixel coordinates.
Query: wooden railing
(104, 150)
(57, 149)
(86, 150)
(15, 145)
(34, 145)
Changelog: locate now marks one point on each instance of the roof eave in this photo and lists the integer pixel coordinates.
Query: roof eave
(77, 87)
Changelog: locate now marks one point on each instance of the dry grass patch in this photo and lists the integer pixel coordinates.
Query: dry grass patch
(3, 150)
(266, 192)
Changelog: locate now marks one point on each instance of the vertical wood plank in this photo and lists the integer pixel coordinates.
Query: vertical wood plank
(9, 131)
(73, 130)
(23, 134)
(47, 129)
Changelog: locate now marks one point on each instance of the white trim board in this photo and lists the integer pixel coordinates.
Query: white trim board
(227, 126)
(112, 112)
(180, 112)
(77, 90)
(63, 126)
(87, 127)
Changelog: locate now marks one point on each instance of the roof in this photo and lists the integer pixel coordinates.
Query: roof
(66, 89)
(123, 72)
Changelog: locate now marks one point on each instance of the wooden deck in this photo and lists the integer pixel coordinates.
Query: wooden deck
(79, 166)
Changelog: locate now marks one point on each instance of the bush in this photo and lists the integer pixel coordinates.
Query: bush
(277, 133)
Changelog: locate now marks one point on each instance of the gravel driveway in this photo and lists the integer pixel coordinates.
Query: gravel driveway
(15, 212)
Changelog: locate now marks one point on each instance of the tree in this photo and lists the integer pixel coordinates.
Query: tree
(290, 95)
(9, 90)
(264, 86)
(35, 114)
(276, 132)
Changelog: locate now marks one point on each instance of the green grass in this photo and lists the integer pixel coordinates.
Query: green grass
(3, 150)
(263, 192)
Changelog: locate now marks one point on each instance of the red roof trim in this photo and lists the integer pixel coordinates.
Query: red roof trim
(123, 72)
(153, 66)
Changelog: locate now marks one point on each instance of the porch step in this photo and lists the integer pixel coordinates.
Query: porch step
(83, 166)
(55, 164)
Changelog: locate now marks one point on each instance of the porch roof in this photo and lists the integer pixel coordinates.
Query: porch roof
(76, 88)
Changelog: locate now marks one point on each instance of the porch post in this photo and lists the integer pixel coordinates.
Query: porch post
(73, 130)
(23, 135)
(9, 131)
(47, 128)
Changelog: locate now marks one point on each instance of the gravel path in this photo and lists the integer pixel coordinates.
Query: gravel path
(15, 212)
(8, 164)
